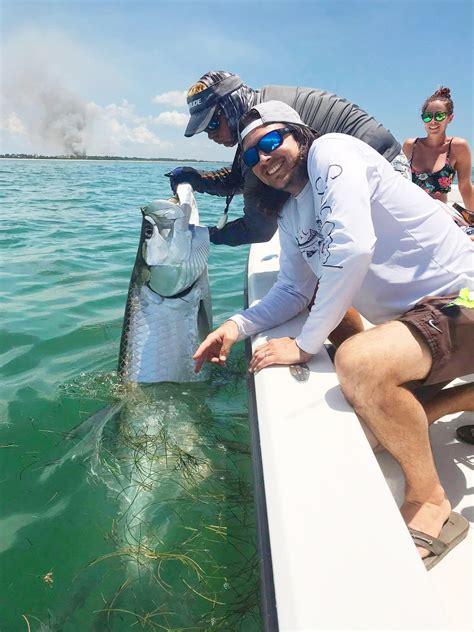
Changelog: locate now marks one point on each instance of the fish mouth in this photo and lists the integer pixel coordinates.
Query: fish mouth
(173, 250)
(163, 209)
(165, 215)
(164, 225)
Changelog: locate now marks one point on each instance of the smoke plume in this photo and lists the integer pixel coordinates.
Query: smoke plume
(34, 91)
(45, 76)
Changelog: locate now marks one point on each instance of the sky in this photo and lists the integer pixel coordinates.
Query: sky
(110, 76)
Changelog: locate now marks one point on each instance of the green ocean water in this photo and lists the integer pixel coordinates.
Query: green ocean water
(151, 524)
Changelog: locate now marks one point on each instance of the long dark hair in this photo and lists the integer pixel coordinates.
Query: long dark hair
(264, 198)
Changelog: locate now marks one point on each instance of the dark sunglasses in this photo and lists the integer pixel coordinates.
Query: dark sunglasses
(215, 121)
(427, 117)
(267, 144)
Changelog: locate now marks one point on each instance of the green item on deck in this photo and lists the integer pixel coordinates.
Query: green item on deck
(465, 299)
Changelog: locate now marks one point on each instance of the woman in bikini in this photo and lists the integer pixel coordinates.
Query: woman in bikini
(437, 158)
(434, 161)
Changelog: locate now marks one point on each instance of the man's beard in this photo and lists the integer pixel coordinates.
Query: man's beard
(299, 174)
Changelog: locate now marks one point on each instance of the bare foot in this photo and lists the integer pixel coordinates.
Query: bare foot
(426, 517)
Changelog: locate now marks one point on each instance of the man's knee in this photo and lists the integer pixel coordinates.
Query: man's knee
(387, 354)
(355, 368)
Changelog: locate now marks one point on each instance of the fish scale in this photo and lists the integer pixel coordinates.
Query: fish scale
(161, 333)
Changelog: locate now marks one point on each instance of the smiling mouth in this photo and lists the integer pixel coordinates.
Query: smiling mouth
(275, 168)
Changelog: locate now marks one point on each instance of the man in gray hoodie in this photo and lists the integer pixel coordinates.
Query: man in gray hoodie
(216, 103)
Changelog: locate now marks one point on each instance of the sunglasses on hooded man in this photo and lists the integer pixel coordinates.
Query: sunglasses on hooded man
(215, 121)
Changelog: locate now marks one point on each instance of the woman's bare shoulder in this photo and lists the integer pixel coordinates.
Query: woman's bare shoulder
(460, 143)
(460, 148)
(408, 145)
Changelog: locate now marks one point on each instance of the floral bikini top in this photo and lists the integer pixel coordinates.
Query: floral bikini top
(437, 181)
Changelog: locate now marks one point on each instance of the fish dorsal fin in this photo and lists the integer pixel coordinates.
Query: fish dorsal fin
(187, 202)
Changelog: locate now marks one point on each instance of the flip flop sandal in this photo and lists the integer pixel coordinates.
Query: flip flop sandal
(466, 433)
(453, 532)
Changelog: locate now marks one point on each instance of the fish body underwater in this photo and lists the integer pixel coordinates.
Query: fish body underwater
(168, 310)
(147, 447)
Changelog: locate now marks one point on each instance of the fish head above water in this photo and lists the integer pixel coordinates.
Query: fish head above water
(174, 251)
(166, 233)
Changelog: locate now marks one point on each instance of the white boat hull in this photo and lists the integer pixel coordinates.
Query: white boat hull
(335, 552)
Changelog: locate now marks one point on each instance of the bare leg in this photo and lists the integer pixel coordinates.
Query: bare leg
(350, 325)
(373, 368)
(450, 400)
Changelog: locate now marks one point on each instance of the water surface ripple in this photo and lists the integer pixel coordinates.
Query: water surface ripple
(143, 517)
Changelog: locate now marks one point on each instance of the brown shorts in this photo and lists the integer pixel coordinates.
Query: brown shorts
(448, 330)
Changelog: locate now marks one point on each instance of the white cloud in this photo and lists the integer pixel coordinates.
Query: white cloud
(174, 98)
(125, 110)
(173, 119)
(116, 129)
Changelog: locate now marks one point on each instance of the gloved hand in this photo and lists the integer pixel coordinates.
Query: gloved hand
(184, 174)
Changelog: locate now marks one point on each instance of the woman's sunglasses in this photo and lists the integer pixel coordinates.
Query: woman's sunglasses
(427, 117)
(215, 122)
(267, 144)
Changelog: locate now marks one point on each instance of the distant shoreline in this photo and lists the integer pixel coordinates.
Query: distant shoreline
(122, 158)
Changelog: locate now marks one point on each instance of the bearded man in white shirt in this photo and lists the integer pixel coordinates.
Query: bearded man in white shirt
(375, 241)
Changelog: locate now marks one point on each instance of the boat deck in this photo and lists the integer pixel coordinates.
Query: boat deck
(335, 552)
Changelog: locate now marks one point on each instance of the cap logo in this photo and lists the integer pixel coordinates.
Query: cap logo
(211, 95)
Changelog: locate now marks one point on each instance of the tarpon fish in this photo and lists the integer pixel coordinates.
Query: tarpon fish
(167, 314)
(168, 310)
(146, 447)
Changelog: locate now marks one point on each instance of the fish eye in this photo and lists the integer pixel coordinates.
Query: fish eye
(148, 230)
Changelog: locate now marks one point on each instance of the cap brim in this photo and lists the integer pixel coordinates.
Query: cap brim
(199, 121)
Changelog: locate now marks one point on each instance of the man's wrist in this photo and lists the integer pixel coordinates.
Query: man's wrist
(233, 325)
(305, 355)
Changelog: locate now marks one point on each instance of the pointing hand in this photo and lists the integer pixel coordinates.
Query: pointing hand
(216, 346)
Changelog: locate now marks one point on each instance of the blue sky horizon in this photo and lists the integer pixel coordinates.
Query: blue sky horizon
(110, 77)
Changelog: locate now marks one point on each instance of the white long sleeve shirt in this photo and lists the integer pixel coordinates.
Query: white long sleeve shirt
(367, 236)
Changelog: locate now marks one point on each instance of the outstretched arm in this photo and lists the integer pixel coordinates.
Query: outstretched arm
(221, 182)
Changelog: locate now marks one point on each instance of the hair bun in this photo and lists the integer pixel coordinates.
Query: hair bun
(443, 92)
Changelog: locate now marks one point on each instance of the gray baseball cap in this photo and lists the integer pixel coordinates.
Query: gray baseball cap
(202, 105)
(271, 112)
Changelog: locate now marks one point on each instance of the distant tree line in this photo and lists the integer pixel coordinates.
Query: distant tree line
(79, 157)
